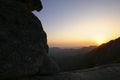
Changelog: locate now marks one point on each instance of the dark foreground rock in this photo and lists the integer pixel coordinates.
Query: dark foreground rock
(23, 42)
(106, 72)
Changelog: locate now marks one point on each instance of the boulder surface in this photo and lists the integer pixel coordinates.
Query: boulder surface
(23, 42)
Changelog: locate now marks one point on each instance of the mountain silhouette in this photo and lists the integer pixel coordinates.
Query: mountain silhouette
(69, 59)
(87, 57)
(107, 53)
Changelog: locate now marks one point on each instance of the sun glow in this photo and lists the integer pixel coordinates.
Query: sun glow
(100, 41)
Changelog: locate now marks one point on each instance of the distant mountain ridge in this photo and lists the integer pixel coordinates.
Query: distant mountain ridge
(87, 57)
(56, 50)
(69, 59)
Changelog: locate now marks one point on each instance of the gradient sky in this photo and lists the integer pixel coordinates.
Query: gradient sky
(76, 23)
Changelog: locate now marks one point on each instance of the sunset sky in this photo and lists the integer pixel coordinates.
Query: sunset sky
(76, 23)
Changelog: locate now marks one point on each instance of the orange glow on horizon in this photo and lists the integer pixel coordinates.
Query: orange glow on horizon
(93, 32)
(75, 44)
(72, 43)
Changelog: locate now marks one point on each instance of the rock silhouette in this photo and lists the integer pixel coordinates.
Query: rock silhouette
(23, 42)
(31, 4)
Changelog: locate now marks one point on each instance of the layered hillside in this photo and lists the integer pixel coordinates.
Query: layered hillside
(69, 59)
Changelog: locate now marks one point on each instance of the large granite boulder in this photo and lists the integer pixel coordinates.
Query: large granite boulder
(23, 42)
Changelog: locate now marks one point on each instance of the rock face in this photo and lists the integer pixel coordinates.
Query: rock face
(31, 4)
(106, 72)
(23, 42)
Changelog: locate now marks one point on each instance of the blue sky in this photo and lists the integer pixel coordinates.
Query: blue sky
(76, 23)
